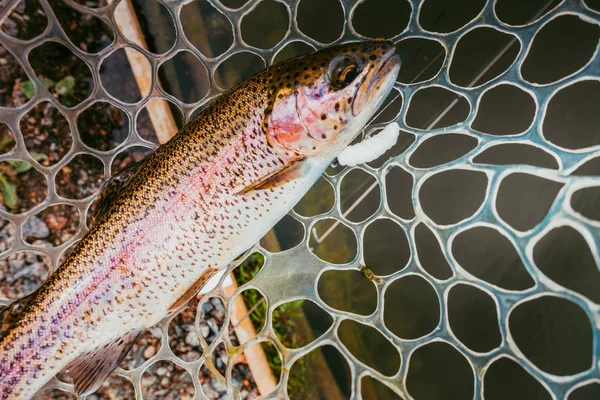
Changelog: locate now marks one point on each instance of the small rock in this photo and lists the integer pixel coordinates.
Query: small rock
(161, 371)
(35, 228)
(156, 332)
(16, 263)
(164, 382)
(148, 380)
(192, 339)
(204, 330)
(149, 352)
(56, 222)
(217, 385)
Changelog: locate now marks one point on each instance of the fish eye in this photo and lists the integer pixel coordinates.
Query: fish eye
(342, 71)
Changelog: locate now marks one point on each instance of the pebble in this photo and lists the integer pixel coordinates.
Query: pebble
(204, 330)
(149, 352)
(192, 339)
(161, 371)
(36, 228)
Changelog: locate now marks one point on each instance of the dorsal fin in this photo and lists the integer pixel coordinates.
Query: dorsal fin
(113, 187)
(276, 179)
(8, 314)
(91, 369)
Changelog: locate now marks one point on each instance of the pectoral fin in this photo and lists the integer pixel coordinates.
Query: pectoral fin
(276, 179)
(91, 369)
(192, 290)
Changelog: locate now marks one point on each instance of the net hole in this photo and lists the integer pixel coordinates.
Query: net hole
(46, 133)
(242, 379)
(523, 200)
(318, 200)
(25, 22)
(266, 25)
(212, 317)
(565, 257)
(452, 196)
(585, 201)
(412, 308)
(146, 345)
(554, 334)
(103, 126)
(399, 186)
(118, 79)
(348, 291)
(68, 78)
(23, 187)
(80, 178)
(516, 12)
(368, 345)
(385, 247)
(431, 257)
(156, 23)
(7, 233)
(437, 370)
(255, 312)
(473, 318)
(448, 16)
(322, 20)
(299, 323)
(206, 28)
(235, 4)
(56, 225)
(286, 234)
(87, 32)
(560, 48)
(381, 18)
(506, 379)
(590, 391)
(167, 380)
(7, 139)
(514, 154)
(338, 247)
(212, 387)
(185, 77)
(323, 370)
(354, 185)
(422, 59)
(114, 387)
(184, 338)
(442, 149)
(248, 269)
(15, 87)
(236, 68)
(488, 255)
(571, 120)
(504, 110)
(22, 273)
(426, 105)
(478, 48)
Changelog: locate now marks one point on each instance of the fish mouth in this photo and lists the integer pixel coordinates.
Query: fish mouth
(378, 82)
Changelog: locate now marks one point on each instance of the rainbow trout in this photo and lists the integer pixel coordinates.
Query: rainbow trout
(191, 207)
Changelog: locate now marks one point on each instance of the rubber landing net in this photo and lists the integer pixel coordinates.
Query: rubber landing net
(297, 273)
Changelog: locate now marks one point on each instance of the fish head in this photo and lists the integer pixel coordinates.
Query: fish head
(321, 101)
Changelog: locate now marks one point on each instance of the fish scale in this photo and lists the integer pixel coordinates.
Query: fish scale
(190, 208)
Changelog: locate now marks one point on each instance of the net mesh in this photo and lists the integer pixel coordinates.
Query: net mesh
(295, 273)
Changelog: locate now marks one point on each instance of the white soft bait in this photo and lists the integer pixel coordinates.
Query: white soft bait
(371, 148)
